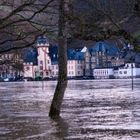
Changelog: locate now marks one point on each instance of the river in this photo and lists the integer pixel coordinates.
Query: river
(91, 110)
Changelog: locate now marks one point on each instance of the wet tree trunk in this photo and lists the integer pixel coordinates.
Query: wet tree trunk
(62, 76)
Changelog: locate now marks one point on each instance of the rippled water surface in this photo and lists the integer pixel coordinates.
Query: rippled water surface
(91, 110)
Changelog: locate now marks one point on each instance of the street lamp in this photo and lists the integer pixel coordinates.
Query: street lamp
(132, 76)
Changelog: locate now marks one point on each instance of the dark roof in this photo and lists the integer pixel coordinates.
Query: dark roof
(42, 40)
(137, 58)
(111, 67)
(30, 55)
(72, 54)
(53, 53)
(107, 47)
(104, 68)
(54, 62)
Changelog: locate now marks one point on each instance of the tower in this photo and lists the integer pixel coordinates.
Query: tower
(44, 61)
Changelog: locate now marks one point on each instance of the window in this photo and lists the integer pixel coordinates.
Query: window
(87, 66)
(120, 72)
(41, 62)
(27, 68)
(125, 72)
(41, 67)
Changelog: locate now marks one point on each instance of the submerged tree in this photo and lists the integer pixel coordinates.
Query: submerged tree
(22, 21)
(62, 76)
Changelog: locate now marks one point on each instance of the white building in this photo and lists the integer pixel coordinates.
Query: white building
(44, 61)
(129, 70)
(29, 70)
(75, 68)
(103, 73)
(41, 68)
(47, 62)
(54, 70)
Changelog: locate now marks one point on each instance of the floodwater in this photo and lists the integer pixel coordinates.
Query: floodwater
(91, 110)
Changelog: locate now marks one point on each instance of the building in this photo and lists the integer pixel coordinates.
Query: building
(102, 54)
(129, 70)
(37, 62)
(75, 62)
(30, 70)
(11, 65)
(44, 60)
(103, 73)
(30, 63)
(126, 71)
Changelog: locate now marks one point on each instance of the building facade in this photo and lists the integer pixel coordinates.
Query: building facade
(103, 73)
(37, 61)
(129, 70)
(75, 63)
(44, 61)
(11, 65)
(46, 65)
(102, 54)
(30, 70)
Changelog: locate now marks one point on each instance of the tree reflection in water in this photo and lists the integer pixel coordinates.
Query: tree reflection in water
(61, 128)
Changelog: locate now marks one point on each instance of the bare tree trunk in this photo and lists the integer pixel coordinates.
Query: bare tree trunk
(62, 77)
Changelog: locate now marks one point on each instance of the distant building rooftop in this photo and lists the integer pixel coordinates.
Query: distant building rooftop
(107, 47)
(72, 54)
(30, 55)
(42, 40)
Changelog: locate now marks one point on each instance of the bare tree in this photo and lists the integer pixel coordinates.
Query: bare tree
(62, 77)
(23, 21)
(100, 20)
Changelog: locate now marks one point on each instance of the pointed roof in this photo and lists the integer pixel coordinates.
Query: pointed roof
(107, 47)
(84, 49)
(30, 55)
